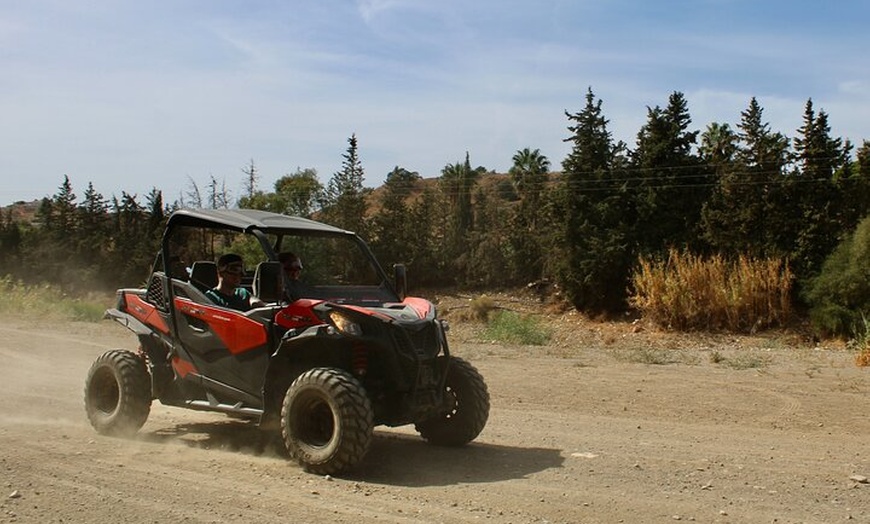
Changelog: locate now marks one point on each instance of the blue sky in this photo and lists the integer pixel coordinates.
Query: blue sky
(132, 95)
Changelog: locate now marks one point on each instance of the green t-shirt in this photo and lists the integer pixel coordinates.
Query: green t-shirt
(240, 299)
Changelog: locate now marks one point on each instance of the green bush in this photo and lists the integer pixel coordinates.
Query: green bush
(839, 297)
(513, 328)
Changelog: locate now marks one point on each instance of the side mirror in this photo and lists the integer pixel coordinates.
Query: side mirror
(401, 278)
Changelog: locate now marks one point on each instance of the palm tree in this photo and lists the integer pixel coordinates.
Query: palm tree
(718, 144)
(529, 174)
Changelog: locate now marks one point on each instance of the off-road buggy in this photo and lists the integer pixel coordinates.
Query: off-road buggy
(324, 361)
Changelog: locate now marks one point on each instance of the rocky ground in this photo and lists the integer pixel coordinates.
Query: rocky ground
(611, 422)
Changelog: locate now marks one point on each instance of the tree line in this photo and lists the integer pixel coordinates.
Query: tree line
(746, 190)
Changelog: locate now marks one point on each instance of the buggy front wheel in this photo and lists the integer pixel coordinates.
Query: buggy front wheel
(118, 393)
(466, 407)
(326, 421)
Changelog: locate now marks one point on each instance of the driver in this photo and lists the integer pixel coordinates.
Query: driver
(229, 292)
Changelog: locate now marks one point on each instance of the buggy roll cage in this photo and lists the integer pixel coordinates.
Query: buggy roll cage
(260, 224)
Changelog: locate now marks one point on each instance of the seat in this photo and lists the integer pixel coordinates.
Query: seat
(178, 270)
(268, 281)
(204, 275)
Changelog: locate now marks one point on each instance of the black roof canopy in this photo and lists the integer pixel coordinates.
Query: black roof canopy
(245, 220)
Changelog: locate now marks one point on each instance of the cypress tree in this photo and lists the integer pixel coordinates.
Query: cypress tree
(457, 185)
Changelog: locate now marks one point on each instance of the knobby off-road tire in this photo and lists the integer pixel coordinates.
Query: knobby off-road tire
(468, 403)
(326, 421)
(118, 393)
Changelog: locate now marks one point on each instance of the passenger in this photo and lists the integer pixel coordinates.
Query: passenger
(292, 265)
(229, 292)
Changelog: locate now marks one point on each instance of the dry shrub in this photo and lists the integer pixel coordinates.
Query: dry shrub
(689, 292)
(863, 358)
(477, 310)
(481, 307)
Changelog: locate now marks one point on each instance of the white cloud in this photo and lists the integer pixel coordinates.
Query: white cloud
(369, 9)
(857, 88)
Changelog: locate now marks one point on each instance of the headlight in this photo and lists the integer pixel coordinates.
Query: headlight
(345, 324)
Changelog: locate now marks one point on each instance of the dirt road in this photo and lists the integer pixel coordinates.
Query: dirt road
(599, 429)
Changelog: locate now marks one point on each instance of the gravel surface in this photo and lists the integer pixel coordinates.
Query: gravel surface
(611, 422)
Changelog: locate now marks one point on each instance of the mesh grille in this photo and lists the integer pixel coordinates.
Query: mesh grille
(421, 342)
(155, 294)
(425, 341)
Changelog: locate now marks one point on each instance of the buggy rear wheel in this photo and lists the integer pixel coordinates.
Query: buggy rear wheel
(326, 421)
(466, 407)
(118, 393)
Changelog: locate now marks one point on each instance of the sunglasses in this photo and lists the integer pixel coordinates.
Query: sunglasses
(234, 270)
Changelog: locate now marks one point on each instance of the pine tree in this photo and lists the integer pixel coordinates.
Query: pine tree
(816, 193)
(92, 218)
(597, 251)
(64, 215)
(345, 197)
(747, 209)
(863, 160)
(854, 181)
(51, 256)
(672, 185)
(130, 260)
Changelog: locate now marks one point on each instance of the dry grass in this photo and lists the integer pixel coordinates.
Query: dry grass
(17, 298)
(479, 309)
(689, 292)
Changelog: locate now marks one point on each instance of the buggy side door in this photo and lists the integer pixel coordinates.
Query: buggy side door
(229, 350)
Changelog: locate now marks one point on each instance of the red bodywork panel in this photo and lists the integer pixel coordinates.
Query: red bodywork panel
(145, 312)
(421, 306)
(368, 312)
(238, 332)
(183, 367)
(299, 314)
